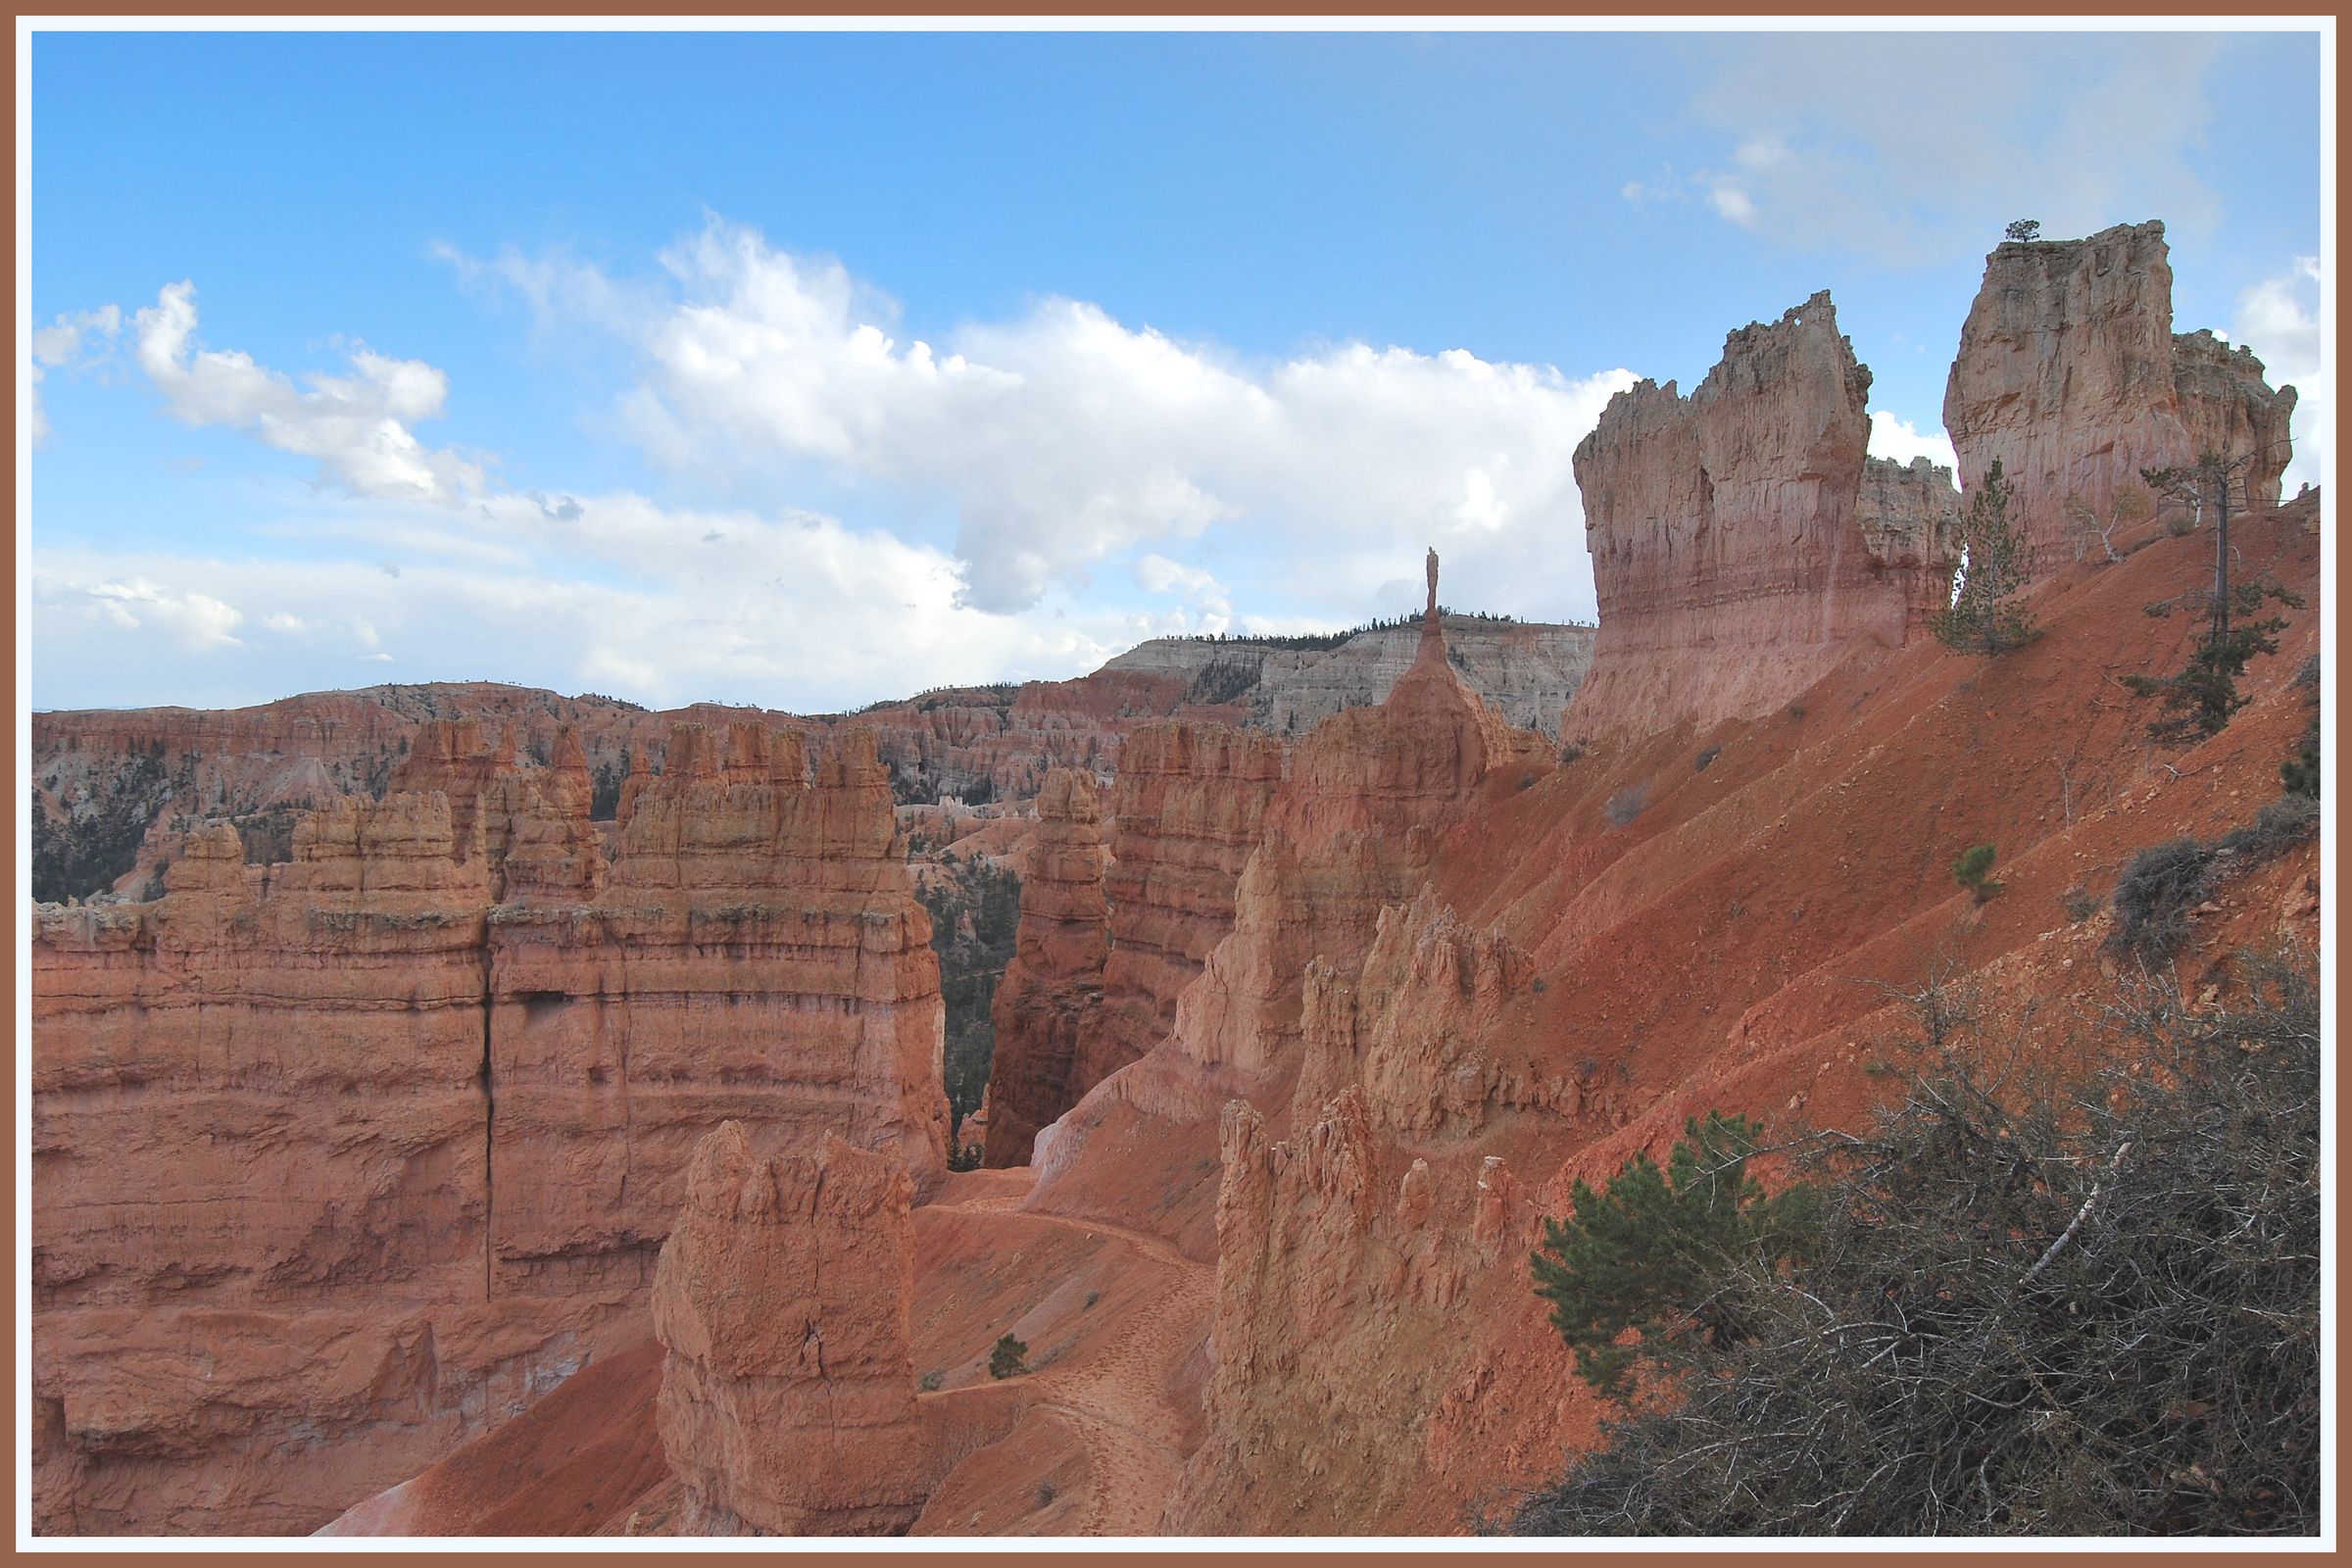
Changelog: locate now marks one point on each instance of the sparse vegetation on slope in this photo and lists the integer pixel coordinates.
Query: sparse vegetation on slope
(2035, 1306)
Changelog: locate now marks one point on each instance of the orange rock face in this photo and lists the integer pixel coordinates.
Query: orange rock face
(1186, 811)
(422, 1143)
(1355, 827)
(1733, 552)
(1046, 1002)
(758, 955)
(783, 1302)
(2070, 376)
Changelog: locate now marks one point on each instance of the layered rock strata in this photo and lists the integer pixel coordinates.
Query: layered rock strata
(1527, 670)
(1047, 1004)
(2071, 377)
(1187, 809)
(1735, 555)
(104, 779)
(783, 1304)
(1354, 826)
(423, 1140)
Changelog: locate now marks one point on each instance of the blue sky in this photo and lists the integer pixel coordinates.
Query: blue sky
(591, 361)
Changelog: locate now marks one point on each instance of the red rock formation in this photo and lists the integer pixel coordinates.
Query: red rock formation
(103, 779)
(2070, 376)
(1556, 991)
(1355, 827)
(424, 1142)
(1733, 556)
(1345, 1256)
(1910, 516)
(1187, 812)
(294, 1056)
(1048, 998)
(783, 1300)
(759, 954)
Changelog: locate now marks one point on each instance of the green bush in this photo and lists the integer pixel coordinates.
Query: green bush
(2034, 1306)
(1997, 561)
(1640, 1254)
(1010, 1359)
(1974, 872)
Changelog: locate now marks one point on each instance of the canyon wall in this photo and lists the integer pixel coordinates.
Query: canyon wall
(2071, 377)
(1352, 828)
(425, 1111)
(112, 789)
(1528, 671)
(1742, 545)
(1051, 992)
(1188, 808)
(782, 1303)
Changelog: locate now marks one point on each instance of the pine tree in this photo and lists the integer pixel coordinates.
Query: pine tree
(1010, 1359)
(2200, 699)
(1983, 619)
(1645, 1253)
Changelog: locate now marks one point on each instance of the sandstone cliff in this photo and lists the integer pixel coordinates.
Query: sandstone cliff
(105, 780)
(2070, 376)
(1353, 827)
(451, 1192)
(1528, 671)
(1053, 990)
(783, 1301)
(1187, 812)
(1737, 552)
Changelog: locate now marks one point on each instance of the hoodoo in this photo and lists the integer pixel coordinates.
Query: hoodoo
(2071, 377)
(1738, 552)
(782, 1303)
(545, 1097)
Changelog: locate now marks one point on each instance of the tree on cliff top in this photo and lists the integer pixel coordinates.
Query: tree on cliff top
(1996, 560)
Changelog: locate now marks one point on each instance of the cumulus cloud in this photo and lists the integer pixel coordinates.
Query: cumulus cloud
(1898, 438)
(357, 426)
(177, 619)
(662, 606)
(2278, 319)
(1917, 148)
(76, 340)
(1064, 437)
(1212, 604)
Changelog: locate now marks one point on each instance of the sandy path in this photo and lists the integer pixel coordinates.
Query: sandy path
(1120, 1400)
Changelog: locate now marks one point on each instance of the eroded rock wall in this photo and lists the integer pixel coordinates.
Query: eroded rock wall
(2070, 376)
(1052, 992)
(420, 1142)
(783, 1304)
(1186, 811)
(1735, 555)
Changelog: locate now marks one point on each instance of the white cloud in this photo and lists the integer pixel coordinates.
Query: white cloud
(1064, 437)
(2278, 319)
(629, 598)
(1731, 203)
(1902, 440)
(73, 341)
(1155, 574)
(1917, 148)
(180, 620)
(356, 425)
